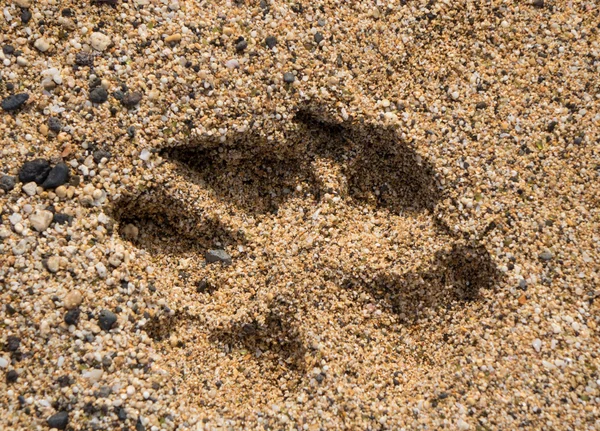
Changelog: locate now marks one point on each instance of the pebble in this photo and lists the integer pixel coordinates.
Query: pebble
(130, 100)
(232, 64)
(72, 316)
(98, 95)
(14, 102)
(60, 218)
(288, 77)
(54, 124)
(271, 41)
(25, 16)
(537, 344)
(12, 376)
(34, 170)
(72, 299)
(13, 343)
(30, 189)
(212, 256)
(59, 420)
(40, 220)
(106, 319)
(42, 44)
(23, 3)
(319, 37)
(130, 232)
(99, 41)
(545, 256)
(53, 264)
(58, 176)
(241, 45)
(538, 3)
(7, 183)
(174, 38)
(101, 270)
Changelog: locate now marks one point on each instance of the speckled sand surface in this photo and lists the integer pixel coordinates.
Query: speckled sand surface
(299, 215)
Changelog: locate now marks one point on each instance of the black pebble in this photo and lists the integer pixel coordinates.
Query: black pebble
(319, 37)
(59, 420)
(98, 95)
(288, 77)
(14, 102)
(72, 316)
(54, 124)
(106, 319)
(25, 16)
(131, 132)
(139, 426)
(577, 141)
(34, 170)
(13, 343)
(241, 45)
(12, 376)
(538, 3)
(98, 155)
(62, 218)
(122, 414)
(552, 126)
(271, 41)
(7, 183)
(8, 49)
(58, 176)
(481, 105)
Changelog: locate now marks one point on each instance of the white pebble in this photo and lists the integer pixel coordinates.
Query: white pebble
(537, 344)
(101, 270)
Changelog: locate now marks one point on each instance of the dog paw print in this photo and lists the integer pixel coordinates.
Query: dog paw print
(313, 232)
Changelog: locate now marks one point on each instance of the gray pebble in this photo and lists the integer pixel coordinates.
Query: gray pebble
(106, 319)
(14, 102)
(545, 256)
(271, 41)
(288, 77)
(98, 95)
(59, 420)
(54, 124)
(212, 256)
(7, 183)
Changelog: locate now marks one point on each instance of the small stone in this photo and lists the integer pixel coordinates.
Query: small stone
(319, 37)
(23, 3)
(101, 270)
(174, 38)
(271, 41)
(98, 155)
(106, 319)
(58, 176)
(232, 64)
(54, 124)
(35, 170)
(241, 45)
(12, 376)
(14, 102)
(72, 300)
(3, 362)
(7, 183)
(545, 256)
(13, 343)
(481, 105)
(99, 41)
(551, 126)
(98, 95)
(8, 49)
(131, 99)
(83, 58)
(25, 16)
(212, 256)
(537, 344)
(40, 220)
(42, 44)
(53, 264)
(59, 420)
(288, 77)
(538, 3)
(60, 218)
(72, 316)
(30, 189)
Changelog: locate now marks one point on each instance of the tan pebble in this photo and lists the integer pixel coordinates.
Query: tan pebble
(89, 189)
(174, 38)
(61, 192)
(44, 130)
(53, 264)
(63, 137)
(66, 151)
(41, 220)
(23, 3)
(73, 299)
